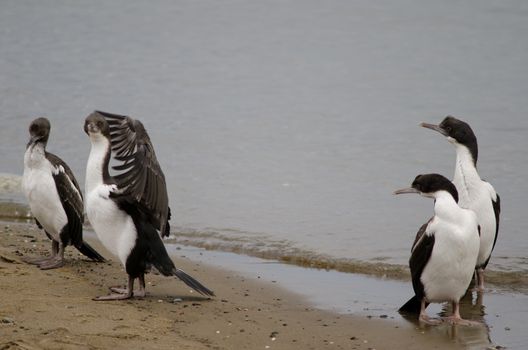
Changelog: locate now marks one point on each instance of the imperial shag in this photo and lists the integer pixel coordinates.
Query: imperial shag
(474, 193)
(129, 211)
(54, 197)
(445, 250)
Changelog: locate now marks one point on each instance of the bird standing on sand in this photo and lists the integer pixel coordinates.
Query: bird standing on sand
(54, 198)
(127, 210)
(443, 256)
(474, 193)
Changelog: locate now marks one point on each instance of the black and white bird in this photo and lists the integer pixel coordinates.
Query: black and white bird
(54, 198)
(445, 250)
(129, 211)
(474, 193)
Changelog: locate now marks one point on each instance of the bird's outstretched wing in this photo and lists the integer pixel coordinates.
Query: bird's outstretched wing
(141, 179)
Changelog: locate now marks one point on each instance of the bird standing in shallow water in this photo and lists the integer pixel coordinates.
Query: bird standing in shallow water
(474, 193)
(54, 198)
(127, 210)
(445, 250)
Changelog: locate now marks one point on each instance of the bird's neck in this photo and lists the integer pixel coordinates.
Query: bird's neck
(35, 155)
(98, 160)
(445, 207)
(466, 176)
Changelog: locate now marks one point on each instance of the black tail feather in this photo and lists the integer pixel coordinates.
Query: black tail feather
(89, 252)
(412, 306)
(194, 284)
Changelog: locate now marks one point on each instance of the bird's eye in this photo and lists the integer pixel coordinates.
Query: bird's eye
(448, 128)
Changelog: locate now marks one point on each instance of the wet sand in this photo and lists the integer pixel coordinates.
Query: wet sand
(53, 309)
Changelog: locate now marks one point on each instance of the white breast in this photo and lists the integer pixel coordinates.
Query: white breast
(479, 200)
(450, 268)
(41, 192)
(114, 228)
(476, 195)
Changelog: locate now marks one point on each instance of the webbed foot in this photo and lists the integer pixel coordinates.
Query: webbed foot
(52, 263)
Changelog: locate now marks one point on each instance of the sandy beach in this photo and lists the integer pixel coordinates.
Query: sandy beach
(53, 309)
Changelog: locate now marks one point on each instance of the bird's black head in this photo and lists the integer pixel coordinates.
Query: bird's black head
(95, 124)
(39, 130)
(457, 131)
(429, 184)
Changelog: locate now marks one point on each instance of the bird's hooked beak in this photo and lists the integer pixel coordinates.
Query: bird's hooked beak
(407, 190)
(435, 128)
(33, 139)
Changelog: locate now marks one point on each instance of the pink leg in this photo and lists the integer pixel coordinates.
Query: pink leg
(41, 260)
(423, 315)
(140, 293)
(480, 278)
(456, 319)
(56, 261)
(119, 296)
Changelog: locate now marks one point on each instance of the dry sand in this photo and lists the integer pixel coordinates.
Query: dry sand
(53, 309)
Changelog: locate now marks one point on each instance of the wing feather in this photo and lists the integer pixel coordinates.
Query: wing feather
(496, 210)
(141, 179)
(420, 255)
(420, 233)
(70, 197)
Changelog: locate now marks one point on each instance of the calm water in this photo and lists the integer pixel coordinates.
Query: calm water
(283, 126)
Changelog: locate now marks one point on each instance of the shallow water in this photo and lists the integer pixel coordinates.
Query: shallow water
(283, 127)
(501, 314)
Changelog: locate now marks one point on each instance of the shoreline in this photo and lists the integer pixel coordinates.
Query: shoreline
(49, 309)
(505, 281)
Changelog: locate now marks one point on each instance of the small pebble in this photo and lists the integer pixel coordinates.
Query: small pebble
(7, 320)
